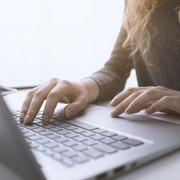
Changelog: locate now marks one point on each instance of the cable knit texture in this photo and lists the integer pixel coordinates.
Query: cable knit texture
(164, 55)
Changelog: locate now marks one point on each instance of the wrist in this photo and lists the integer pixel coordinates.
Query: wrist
(91, 87)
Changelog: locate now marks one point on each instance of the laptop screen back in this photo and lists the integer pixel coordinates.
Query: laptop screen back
(14, 152)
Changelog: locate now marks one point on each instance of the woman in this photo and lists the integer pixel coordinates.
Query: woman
(149, 41)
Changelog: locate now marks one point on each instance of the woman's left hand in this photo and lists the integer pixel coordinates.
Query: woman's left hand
(150, 98)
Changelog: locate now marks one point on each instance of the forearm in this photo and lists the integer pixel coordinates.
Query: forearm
(91, 87)
(112, 77)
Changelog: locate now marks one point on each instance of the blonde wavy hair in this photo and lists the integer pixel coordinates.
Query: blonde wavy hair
(136, 17)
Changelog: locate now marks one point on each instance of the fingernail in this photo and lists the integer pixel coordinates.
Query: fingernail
(68, 113)
(128, 111)
(148, 111)
(114, 112)
(45, 119)
(111, 103)
(22, 116)
(27, 119)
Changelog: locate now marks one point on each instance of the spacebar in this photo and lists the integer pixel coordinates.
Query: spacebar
(82, 125)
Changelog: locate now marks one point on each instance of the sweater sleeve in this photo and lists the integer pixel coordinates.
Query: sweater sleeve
(112, 77)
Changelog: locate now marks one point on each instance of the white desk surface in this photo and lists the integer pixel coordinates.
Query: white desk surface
(164, 168)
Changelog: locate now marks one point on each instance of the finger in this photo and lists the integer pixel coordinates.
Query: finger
(169, 102)
(57, 94)
(74, 107)
(54, 96)
(152, 94)
(120, 108)
(39, 96)
(27, 102)
(169, 111)
(123, 95)
(145, 106)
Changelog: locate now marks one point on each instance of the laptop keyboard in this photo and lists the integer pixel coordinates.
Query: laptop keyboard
(72, 142)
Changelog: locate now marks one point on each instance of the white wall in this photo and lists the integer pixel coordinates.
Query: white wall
(67, 39)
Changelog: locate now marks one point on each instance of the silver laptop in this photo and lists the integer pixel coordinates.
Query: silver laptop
(91, 145)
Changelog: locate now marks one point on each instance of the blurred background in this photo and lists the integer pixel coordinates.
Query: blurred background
(67, 39)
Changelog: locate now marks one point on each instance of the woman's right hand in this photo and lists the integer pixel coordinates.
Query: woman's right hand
(55, 90)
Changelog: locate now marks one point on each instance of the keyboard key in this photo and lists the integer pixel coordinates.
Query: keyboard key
(58, 157)
(42, 141)
(93, 153)
(82, 125)
(40, 148)
(89, 142)
(80, 159)
(51, 145)
(55, 122)
(120, 145)
(28, 141)
(53, 136)
(133, 142)
(20, 128)
(36, 137)
(71, 127)
(70, 154)
(68, 162)
(27, 134)
(39, 116)
(56, 116)
(64, 125)
(49, 152)
(97, 137)
(79, 130)
(48, 126)
(16, 117)
(39, 124)
(36, 120)
(80, 138)
(119, 137)
(88, 133)
(54, 129)
(16, 113)
(107, 140)
(24, 130)
(17, 122)
(22, 125)
(71, 135)
(70, 143)
(39, 129)
(80, 147)
(31, 126)
(47, 132)
(61, 139)
(33, 145)
(64, 131)
(99, 131)
(109, 134)
(105, 148)
(59, 149)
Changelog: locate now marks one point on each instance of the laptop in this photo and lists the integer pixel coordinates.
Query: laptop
(91, 145)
